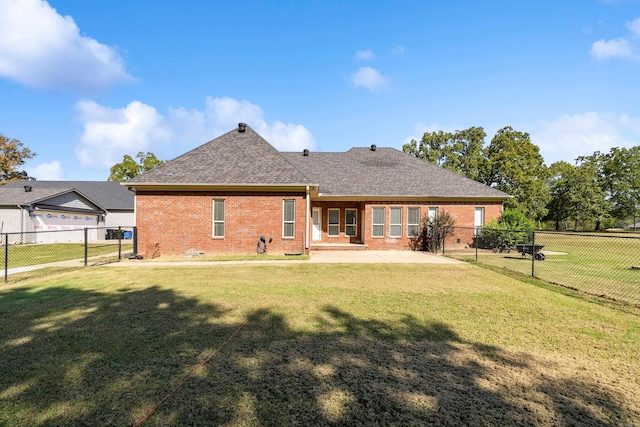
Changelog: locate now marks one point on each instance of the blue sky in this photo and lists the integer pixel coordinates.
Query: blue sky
(84, 82)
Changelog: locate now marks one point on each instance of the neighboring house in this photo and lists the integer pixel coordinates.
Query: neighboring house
(34, 206)
(224, 195)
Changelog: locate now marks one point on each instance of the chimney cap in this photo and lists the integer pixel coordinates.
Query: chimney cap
(242, 127)
(373, 147)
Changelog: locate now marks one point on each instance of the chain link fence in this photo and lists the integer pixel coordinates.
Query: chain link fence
(606, 265)
(38, 253)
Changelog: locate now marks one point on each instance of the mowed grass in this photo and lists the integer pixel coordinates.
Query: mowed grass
(595, 264)
(34, 254)
(312, 345)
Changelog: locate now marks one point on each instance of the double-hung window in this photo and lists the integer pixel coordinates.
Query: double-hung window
(333, 229)
(377, 222)
(395, 222)
(413, 222)
(218, 218)
(288, 218)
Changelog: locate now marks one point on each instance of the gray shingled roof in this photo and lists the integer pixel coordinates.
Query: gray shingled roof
(234, 158)
(238, 158)
(384, 172)
(107, 195)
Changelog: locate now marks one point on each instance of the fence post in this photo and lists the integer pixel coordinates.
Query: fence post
(135, 241)
(119, 243)
(533, 254)
(86, 245)
(477, 239)
(6, 257)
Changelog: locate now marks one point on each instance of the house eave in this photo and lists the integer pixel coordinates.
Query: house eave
(175, 187)
(408, 198)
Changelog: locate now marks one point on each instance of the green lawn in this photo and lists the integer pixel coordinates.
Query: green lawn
(596, 264)
(313, 345)
(34, 254)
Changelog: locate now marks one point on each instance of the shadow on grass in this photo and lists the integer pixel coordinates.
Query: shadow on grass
(73, 357)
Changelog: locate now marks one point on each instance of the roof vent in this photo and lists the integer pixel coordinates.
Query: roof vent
(373, 147)
(305, 152)
(242, 127)
(27, 188)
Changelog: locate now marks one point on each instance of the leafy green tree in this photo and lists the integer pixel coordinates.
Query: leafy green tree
(621, 171)
(13, 154)
(514, 165)
(460, 151)
(577, 192)
(128, 168)
(559, 187)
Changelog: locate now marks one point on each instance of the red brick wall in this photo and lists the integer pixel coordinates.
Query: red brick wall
(462, 212)
(178, 222)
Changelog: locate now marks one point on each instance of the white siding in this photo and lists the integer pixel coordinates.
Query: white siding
(11, 221)
(115, 219)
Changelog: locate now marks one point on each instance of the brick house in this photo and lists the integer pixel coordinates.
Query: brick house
(224, 195)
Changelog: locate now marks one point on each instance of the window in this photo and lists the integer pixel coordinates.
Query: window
(288, 218)
(218, 218)
(395, 222)
(350, 216)
(478, 220)
(378, 222)
(433, 214)
(334, 223)
(413, 222)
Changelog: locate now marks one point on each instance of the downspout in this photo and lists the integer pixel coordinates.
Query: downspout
(306, 233)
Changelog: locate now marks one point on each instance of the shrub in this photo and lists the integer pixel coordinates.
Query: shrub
(506, 232)
(433, 232)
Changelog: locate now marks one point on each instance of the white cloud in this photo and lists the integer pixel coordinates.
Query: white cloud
(108, 133)
(223, 114)
(42, 49)
(51, 171)
(369, 78)
(364, 55)
(621, 48)
(571, 136)
(634, 27)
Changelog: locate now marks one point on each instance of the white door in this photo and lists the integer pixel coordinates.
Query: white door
(316, 216)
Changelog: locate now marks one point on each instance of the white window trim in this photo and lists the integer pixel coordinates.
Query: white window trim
(214, 221)
(391, 209)
(373, 224)
(329, 224)
(284, 222)
(417, 224)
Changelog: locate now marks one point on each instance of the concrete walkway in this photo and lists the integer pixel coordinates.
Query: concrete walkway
(319, 257)
(375, 257)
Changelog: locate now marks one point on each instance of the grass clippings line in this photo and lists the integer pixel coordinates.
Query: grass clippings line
(196, 369)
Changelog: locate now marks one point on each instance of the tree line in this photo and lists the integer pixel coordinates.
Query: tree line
(601, 189)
